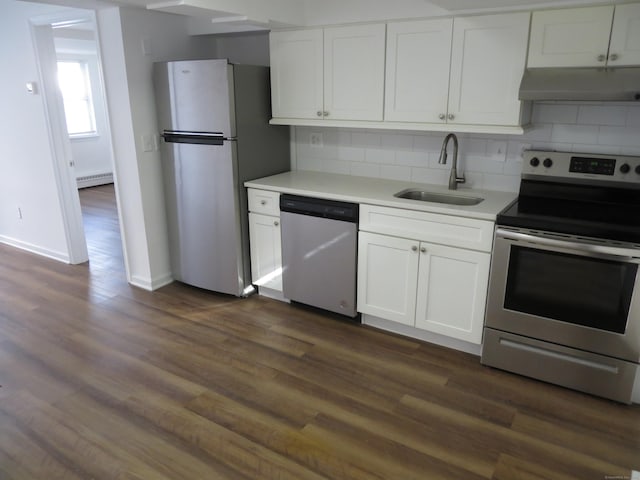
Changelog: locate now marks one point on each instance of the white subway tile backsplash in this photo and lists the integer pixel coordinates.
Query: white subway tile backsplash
(488, 161)
(309, 163)
(397, 141)
(412, 159)
(427, 143)
(365, 170)
(554, 113)
(539, 133)
(363, 139)
(351, 154)
(574, 133)
(602, 115)
(373, 155)
(633, 116)
(427, 175)
(337, 166)
(620, 137)
(395, 172)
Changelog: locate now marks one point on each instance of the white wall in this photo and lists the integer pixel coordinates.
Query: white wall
(27, 180)
(91, 154)
(488, 161)
(131, 40)
(245, 48)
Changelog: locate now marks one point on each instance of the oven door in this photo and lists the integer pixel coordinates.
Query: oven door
(567, 291)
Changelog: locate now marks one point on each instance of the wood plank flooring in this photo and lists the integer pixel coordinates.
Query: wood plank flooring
(100, 380)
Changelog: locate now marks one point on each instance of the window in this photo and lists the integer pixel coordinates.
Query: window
(73, 77)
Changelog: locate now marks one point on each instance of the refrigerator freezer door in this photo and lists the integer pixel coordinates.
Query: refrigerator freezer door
(201, 96)
(203, 215)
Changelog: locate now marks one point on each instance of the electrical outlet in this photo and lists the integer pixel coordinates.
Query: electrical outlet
(497, 149)
(316, 140)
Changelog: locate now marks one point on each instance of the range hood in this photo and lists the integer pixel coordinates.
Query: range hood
(581, 84)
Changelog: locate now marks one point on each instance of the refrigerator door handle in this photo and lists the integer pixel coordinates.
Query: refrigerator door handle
(205, 138)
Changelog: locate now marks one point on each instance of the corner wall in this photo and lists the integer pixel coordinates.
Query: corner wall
(131, 41)
(30, 207)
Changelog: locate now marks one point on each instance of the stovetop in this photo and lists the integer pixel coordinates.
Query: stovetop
(578, 194)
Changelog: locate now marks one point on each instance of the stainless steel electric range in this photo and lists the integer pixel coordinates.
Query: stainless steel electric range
(564, 291)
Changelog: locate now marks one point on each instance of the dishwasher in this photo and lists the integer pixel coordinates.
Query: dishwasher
(319, 252)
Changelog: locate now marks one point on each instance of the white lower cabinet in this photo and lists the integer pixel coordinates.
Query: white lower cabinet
(264, 239)
(428, 286)
(452, 290)
(387, 276)
(266, 254)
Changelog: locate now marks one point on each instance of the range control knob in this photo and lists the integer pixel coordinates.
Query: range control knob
(625, 168)
(638, 169)
(534, 162)
(547, 162)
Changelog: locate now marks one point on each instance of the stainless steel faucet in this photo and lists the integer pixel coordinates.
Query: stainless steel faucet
(454, 179)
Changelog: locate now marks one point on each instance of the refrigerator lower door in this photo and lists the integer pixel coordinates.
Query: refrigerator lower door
(204, 216)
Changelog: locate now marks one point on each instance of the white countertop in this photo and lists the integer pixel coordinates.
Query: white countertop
(376, 191)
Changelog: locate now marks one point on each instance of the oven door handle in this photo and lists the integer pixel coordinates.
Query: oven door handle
(627, 255)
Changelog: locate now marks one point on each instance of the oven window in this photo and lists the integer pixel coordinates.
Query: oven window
(570, 288)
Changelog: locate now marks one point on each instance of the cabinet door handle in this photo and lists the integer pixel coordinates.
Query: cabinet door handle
(319, 113)
(423, 249)
(602, 58)
(613, 57)
(276, 223)
(414, 248)
(263, 202)
(442, 116)
(451, 116)
(325, 113)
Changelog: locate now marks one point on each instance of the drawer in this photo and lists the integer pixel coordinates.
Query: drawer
(264, 201)
(428, 227)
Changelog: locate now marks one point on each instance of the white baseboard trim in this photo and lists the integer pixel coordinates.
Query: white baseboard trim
(413, 332)
(29, 247)
(153, 283)
(94, 180)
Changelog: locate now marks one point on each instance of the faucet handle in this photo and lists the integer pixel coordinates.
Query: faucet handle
(461, 179)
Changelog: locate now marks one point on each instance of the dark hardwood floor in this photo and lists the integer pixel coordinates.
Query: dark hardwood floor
(101, 380)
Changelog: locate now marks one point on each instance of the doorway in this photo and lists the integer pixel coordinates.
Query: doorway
(68, 52)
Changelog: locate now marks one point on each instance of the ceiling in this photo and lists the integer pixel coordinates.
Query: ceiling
(224, 16)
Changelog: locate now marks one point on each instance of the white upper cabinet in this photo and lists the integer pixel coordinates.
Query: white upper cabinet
(465, 70)
(624, 49)
(586, 37)
(354, 72)
(331, 74)
(296, 73)
(572, 37)
(488, 57)
(417, 74)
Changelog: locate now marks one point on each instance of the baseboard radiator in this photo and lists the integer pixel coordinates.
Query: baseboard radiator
(93, 180)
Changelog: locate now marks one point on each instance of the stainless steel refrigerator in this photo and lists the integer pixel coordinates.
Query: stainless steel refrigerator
(214, 121)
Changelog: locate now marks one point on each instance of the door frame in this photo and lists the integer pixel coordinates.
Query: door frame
(63, 165)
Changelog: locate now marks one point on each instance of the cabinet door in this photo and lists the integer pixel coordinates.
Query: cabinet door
(417, 74)
(624, 49)
(266, 254)
(387, 275)
(296, 73)
(452, 291)
(354, 72)
(487, 62)
(571, 37)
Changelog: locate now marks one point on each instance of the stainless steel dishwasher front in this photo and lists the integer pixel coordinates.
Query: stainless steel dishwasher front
(319, 252)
